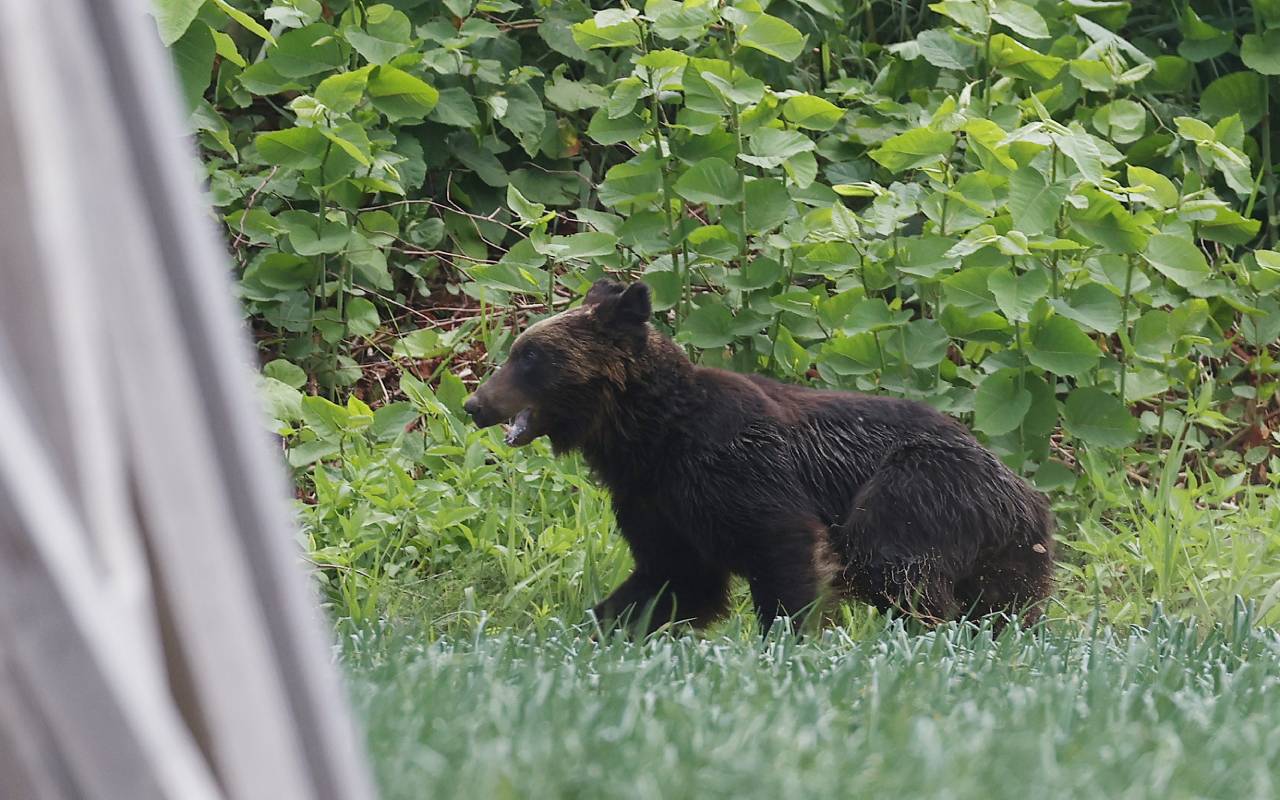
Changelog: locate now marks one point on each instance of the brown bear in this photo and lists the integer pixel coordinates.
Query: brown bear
(803, 492)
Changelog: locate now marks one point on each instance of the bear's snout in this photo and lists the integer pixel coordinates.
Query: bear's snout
(480, 414)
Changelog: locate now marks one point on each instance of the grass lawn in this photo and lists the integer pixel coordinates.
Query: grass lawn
(1163, 711)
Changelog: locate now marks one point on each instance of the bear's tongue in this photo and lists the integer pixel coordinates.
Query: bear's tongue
(520, 432)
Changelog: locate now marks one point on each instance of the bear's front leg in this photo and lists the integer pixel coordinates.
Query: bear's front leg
(649, 599)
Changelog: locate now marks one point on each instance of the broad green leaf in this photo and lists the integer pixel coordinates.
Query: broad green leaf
(1034, 202)
(1121, 121)
(1099, 418)
(245, 21)
(1059, 346)
(173, 17)
(226, 48)
(925, 343)
(1001, 402)
(570, 95)
(1016, 294)
(362, 317)
(772, 147)
(193, 54)
(400, 95)
(1242, 93)
(774, 36)
(768, 204)
(1178, 259)
(1021, 18)
(811, 112)
(1158, 188)
(711, 181)
(912, 149)
(1105, 222)
(297, 148)
(307, 51)
(590, 36)
(1083, 151)
(612, 131)
(1200, 40)
(708, 325)
(385, 34)
(456, 108)
(342, 92)
(1093, 306)
(528, 212)
(588, 245)
(286, 372)
(509, 277)
(942, 49)
(1262, 53)
(972, 15)
(311, 234)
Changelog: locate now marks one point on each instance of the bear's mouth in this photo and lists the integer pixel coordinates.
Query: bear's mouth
(521, 430)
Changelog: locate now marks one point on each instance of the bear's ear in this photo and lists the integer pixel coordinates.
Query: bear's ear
(632, 307)
(602, 289)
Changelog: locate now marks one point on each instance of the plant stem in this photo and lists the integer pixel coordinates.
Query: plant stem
(1124, 328)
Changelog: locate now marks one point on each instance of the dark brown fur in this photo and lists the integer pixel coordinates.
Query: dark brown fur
(801, 491)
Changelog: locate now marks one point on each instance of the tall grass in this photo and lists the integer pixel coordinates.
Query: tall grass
(459, 529)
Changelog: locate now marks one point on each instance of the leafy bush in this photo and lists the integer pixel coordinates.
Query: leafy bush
(1014, 212)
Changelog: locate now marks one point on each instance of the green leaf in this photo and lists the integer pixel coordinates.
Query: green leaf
(286, 372)
(570, 95)
(591, 244)
(1016, 294)
(1200, 40)
(972, 15)
(711, 181)
(774, 36)
(400, 95)
(362, 317)
(708, 325)
(342, 92)
(296, 148)
(1159, 188)
(1242, 93)
(329, 420)
(1099, 418)
(193, 54)
(814, 113)
(1083, 151)
(1178, 259)
(1021, 18)
(226, 47)
(1262, 53)
(422, 343)
(1105, 222)
(1033, 201)
(1001, 402)
(528, 212)
(942, 49)
(509, 277)
(1059, 346)
(173, 17)
(245, 21)
(313, 235)
(306, 51)
(771, 147)
(1093, 306)
(612, 131)
(912, 149)
(590, 36)
(768, 204)
(456, 108)
(925, 343)
(386, 34)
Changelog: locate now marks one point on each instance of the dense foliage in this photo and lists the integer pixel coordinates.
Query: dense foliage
(1051, 219)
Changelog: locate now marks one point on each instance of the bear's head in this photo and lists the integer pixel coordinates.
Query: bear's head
(561, 374)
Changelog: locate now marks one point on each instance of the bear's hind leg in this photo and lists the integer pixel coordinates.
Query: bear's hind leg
(790, 572)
